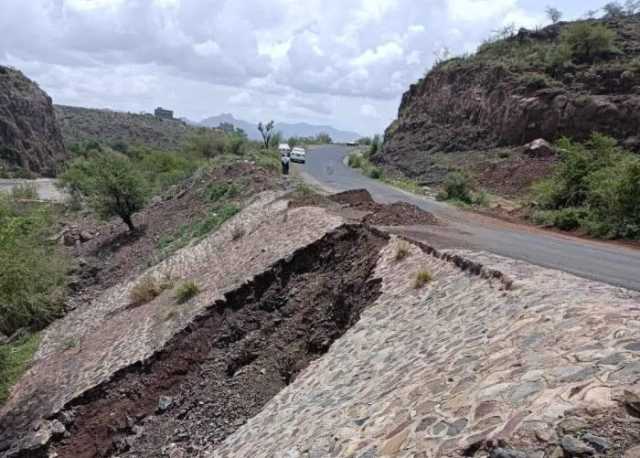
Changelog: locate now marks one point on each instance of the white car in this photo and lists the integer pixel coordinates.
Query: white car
(298, 155)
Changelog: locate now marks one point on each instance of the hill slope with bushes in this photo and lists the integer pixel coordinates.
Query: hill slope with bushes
(81, 125)
(568, 79)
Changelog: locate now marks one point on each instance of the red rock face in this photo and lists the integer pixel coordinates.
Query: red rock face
(476, 104)
(30, 139)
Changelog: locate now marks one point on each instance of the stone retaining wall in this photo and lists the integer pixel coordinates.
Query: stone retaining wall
(462, 364)
(92, 343)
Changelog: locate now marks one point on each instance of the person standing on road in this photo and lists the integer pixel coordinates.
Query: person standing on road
(286, 161)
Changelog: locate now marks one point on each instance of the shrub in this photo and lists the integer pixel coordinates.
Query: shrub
(595, 186)
(207, 143)
(586, 40)
(355, 160)
(456, 187)
(32, 269)
(146, 290)
(235, 145)
(375, 173)
(423, 277)
(110, 183)
(187, 291)
(402, 251)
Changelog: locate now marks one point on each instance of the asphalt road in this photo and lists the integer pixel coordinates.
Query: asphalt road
(45, 186)
(607, 262)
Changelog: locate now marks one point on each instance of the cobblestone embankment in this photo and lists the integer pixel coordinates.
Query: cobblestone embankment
(92, 343)
(530, 364)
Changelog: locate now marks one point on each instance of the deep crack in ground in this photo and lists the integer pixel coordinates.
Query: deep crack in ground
(228, 364)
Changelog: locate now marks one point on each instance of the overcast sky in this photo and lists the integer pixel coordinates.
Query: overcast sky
(339, 62)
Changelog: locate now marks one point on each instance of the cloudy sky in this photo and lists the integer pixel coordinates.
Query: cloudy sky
(339, 62)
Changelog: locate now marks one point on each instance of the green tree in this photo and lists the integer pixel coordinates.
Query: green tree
(266, 130)
(587, 41)
(111, 184)
(323, 138)
(554, 14)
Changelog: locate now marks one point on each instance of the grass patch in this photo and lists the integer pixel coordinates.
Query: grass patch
(423, 277)
(187, 291)
(196, 230)
(402, 251)
(14, 360)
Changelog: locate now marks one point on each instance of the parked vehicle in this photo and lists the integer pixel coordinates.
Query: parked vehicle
(284, 148)
(298, 155)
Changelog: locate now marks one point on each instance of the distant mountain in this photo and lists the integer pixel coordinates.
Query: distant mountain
(287, 130)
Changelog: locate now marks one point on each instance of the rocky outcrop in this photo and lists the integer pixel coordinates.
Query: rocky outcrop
(487, 100)
(30, 140)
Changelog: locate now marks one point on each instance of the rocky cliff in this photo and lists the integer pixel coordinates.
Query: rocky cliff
(30, 140)
(524, 86)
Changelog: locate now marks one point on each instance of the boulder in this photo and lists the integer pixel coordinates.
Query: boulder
(539, 148)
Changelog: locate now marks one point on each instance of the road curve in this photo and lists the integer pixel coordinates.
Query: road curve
(606, 262)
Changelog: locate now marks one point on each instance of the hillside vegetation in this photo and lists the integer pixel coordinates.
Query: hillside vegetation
(115, 128)
(467, 121)
(567, 79)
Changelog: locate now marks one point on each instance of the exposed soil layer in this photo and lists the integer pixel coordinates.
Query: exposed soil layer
(353, 197)
(399, 214)
(225, 366)
(512, 177)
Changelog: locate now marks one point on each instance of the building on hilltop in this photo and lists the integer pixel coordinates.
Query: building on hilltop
(162, 113)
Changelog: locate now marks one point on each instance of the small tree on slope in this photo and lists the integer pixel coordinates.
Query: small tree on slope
(111, 185)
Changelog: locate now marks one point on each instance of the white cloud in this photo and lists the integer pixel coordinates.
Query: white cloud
(369, 111)
(241, 98)
(338, 62)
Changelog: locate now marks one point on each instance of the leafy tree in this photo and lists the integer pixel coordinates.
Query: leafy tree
(554, 14)
(293, 141)
(613, 10)
(266, 130)
(632, 6)
(323, 138)
(111, 184)
(587, 41)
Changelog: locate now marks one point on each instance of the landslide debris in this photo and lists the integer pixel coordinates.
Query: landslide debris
(30, 140)
(226, 365)
(369, 211)
(518, 88)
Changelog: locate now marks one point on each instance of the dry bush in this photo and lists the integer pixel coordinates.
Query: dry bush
(237, 232)
(402, 251)
(146, 290)
(422, 278)
(186, 291)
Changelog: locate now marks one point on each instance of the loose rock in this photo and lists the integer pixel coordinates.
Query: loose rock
(575, 447)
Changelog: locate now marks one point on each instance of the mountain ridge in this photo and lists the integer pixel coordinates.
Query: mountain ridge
(299, 129)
